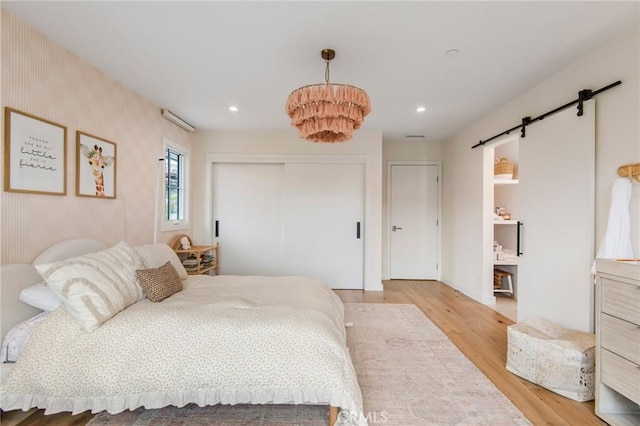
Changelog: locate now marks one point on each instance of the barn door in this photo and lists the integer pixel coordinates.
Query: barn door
(557, 181)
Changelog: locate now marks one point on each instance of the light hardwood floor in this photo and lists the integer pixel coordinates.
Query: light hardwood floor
(477, 330)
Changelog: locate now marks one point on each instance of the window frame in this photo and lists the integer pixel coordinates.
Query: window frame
(167, 225)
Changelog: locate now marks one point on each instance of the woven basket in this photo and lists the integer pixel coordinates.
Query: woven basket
(503, 167)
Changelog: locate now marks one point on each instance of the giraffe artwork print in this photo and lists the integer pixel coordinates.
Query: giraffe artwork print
(98, 179)
(98, 162)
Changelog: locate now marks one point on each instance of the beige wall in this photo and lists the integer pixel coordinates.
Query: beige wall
(409, 150)
(43, 79)
(617, 143)
(286, 143)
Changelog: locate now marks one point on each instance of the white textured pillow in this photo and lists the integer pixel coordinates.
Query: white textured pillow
(156, 255)
(40, 296)
(96, 286)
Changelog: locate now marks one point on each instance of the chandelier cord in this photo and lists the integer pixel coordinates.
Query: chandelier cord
(326, 71)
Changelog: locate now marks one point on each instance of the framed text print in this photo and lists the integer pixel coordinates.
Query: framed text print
(95, 166)
(35, 154)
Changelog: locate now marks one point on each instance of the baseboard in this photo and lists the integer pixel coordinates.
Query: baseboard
(374, 286)
(485, 300)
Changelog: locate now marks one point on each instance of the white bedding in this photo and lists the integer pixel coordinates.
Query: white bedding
(16, 340)
(223, 339)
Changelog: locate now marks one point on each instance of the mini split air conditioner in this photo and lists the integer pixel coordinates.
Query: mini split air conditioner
(177, 120)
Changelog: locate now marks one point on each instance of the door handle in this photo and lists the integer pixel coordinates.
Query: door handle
(395, 228)
(358, 230)
(217, 228)
(518, 238)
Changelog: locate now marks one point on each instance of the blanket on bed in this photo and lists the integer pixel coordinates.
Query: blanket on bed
(223, 339)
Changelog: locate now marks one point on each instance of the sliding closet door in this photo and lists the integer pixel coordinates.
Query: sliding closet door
(323, 223)
(557, 180)
(247, 205)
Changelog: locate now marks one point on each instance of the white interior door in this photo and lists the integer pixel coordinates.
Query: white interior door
(323, 218)
(247, 206)
(414, 222)
(557, 175)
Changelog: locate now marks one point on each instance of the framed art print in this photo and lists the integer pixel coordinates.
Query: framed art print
(35, 154)
(96, 162)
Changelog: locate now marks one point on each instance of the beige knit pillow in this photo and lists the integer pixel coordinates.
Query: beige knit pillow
(159, 283)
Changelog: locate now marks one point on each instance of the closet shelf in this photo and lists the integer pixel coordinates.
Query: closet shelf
(505, 262)
(505, 222)
(505, 181)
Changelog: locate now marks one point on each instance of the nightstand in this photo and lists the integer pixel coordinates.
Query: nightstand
(198, 259)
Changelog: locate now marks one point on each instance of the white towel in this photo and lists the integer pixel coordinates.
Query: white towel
(617, 238)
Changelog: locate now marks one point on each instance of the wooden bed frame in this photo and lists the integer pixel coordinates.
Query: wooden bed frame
(16, 277)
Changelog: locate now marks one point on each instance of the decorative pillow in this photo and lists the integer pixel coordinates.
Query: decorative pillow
(160, 283)
(155, 255)
(96, 286)
(17, 338)
(40, 296)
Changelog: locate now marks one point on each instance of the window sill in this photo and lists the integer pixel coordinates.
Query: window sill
(174, 226)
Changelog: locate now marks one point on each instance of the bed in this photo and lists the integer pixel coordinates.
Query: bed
(220, 340)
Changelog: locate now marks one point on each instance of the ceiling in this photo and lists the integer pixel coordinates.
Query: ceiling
(199, 58)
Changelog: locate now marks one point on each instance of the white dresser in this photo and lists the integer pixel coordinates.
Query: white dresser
(618, 342)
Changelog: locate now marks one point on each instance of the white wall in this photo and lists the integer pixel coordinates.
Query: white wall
(617, 143)
(409, 150)
(367, 145)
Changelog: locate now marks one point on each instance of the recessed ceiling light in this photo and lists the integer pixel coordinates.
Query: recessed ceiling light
(421, 109)
(233, 108)
(451, 53)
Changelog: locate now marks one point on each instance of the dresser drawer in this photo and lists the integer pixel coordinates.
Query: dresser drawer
(620, 337)
(620, 300)
(621, 375)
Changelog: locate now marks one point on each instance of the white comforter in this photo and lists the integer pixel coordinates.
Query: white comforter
(222, 339)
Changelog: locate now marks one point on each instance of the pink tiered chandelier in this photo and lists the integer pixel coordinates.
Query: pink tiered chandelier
(327, 112)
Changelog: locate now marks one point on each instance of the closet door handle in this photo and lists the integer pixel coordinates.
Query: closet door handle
(217, 228)
(518, 237)
(358, 230)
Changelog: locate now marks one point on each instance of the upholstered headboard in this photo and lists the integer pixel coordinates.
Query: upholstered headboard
(15, 277)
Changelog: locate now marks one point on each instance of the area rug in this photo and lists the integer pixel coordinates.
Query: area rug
(409, 372)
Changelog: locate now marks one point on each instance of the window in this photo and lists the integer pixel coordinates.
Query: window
(175, 212)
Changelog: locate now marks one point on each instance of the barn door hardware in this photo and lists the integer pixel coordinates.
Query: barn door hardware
(525, 122)
(583, 95)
